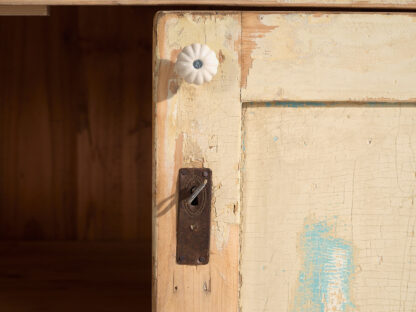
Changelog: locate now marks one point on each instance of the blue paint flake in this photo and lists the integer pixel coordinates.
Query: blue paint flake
(324, 282)
(297, 104)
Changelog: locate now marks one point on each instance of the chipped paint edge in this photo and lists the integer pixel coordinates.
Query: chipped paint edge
(175, 124)
(257, 30)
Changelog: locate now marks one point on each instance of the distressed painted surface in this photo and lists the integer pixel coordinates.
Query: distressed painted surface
(197, 126)
(324, 180)
(324, 281)
(328, 57)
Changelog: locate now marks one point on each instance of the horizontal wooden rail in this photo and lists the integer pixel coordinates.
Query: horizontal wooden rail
(23, 10)
(339, 4)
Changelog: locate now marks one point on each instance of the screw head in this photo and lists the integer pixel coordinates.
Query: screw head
(201, 259)
(197, 64)
(205, 174)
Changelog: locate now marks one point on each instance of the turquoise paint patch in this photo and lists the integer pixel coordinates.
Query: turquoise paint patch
(275, 138)
(333, 104)
(324, 282)
(298, 104)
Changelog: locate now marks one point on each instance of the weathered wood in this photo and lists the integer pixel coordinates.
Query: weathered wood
(328, 57)
(197, 126)
(327, 189)
(74, 276)
(24, 10)
(75, 124)
(329, 207)
(400, 4)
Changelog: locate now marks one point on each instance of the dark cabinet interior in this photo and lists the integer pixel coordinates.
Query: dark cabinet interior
(75, 160)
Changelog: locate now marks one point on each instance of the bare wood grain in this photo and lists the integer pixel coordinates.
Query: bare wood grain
(328, 57)
(24, 10)
(197, 126)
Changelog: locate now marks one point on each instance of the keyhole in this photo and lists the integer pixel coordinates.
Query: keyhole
(195, 201)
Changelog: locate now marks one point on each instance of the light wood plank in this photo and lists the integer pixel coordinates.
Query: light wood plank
(329, 208)
(400, 4)
(197, 126)
(24, 10)
(328, 57)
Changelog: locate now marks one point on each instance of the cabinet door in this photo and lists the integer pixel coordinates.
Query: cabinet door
(309, 128)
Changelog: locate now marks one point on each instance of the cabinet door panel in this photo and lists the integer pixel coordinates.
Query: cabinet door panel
(310, 122)
(328, 207)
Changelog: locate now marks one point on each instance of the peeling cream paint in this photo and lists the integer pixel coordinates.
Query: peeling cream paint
(201, 116)
(197, 126)
(222, 233)
(328, 231)
(328, 57)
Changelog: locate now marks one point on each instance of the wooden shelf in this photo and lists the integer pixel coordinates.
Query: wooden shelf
(74, 276)
(24, 10)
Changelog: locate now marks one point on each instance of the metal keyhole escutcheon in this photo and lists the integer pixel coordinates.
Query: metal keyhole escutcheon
(194, 216)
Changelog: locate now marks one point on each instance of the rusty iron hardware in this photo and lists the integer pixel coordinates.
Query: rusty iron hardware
(194, 216)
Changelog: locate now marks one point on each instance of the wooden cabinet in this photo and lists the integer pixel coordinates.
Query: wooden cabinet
(307, 126)
(309, 130)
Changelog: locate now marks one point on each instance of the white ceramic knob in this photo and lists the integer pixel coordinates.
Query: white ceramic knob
(197, 64)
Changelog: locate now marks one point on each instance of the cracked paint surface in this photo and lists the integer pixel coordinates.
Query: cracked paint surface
(349, 164)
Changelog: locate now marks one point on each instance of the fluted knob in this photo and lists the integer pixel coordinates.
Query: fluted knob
(197, 64)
